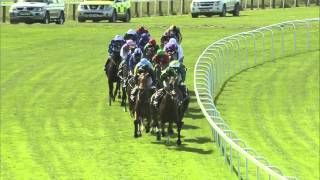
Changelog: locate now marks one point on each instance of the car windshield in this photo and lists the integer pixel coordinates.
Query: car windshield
(40, 1)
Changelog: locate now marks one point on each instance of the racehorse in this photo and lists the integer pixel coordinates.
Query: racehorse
(123, 75)
(142, 104)
(131, 82)
(171, 109)
(111, 69)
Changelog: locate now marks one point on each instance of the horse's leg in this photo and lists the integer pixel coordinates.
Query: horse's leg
(124, 98)
(136, 126)
(157, 125)
(116, 90)
(140, 129)
(170, 129)
(119, 89)
(148, 123)
(163, 133)
(179, 126)
(110, 91)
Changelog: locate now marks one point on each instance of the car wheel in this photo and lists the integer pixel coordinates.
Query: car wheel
(61, 19)
(224, 11)
(81, 20)
(113, 17)
(236, 10)
(46, 19)
(193, 15)
(13, 22)
(128, 16)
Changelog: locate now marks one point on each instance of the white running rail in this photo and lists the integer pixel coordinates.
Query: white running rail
(225, 58)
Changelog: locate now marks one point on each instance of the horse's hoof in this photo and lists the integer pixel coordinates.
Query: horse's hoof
(123, 104)
(119, 97)
(136, 135)
(179, 142)
(158, 137)
(163, 134)
(170, 132)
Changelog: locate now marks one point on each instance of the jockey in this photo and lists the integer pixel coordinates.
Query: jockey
(143, 66)
(179, 49)
(115, 46)
(172, 50)
(141, 30)
(131, 34)
(127, 49)
(125, 53)
(174, 32)
(135, 59)
(175, 69)
(151, 48)
(165, 39)
(161, 58)
(144, 39)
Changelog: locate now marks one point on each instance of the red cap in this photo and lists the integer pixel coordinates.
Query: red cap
(152, 42)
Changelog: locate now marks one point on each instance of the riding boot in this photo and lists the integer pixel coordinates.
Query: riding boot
(133, 93)
(183, 89)
(158, 97)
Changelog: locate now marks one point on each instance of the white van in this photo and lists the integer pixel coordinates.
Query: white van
(214, 7)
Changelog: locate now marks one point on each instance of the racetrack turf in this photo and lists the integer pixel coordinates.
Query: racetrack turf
(274, 107)
(55, 121)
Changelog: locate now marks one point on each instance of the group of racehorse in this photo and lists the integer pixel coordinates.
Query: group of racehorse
(171, 107)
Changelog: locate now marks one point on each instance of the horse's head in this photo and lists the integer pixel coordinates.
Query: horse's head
(144, 87)
(172, 88)
(116, 58)
(143, 80)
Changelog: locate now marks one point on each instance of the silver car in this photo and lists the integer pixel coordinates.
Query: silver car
(111, 10)
(44, 11)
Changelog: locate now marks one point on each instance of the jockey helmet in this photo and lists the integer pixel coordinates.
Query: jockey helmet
(144, 37)
(131, 43)
(160, 52)
(152, 42)
(118, 38)
(171, 47)
(175, 64)
(137, 53)
(131, 32)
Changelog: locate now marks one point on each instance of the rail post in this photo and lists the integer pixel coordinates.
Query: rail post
(148, 8)
(136, 9)
(74, 12)
(4, 14)
(171, 7)
(160, 8)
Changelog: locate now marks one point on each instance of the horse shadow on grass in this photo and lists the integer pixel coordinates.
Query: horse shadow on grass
(185, 145)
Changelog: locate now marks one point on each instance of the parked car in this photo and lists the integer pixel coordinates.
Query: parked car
(214, 7)
(104, 10)
(43, 11)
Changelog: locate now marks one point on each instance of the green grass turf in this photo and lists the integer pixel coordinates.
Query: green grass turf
(274, 107)
(55, 122)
